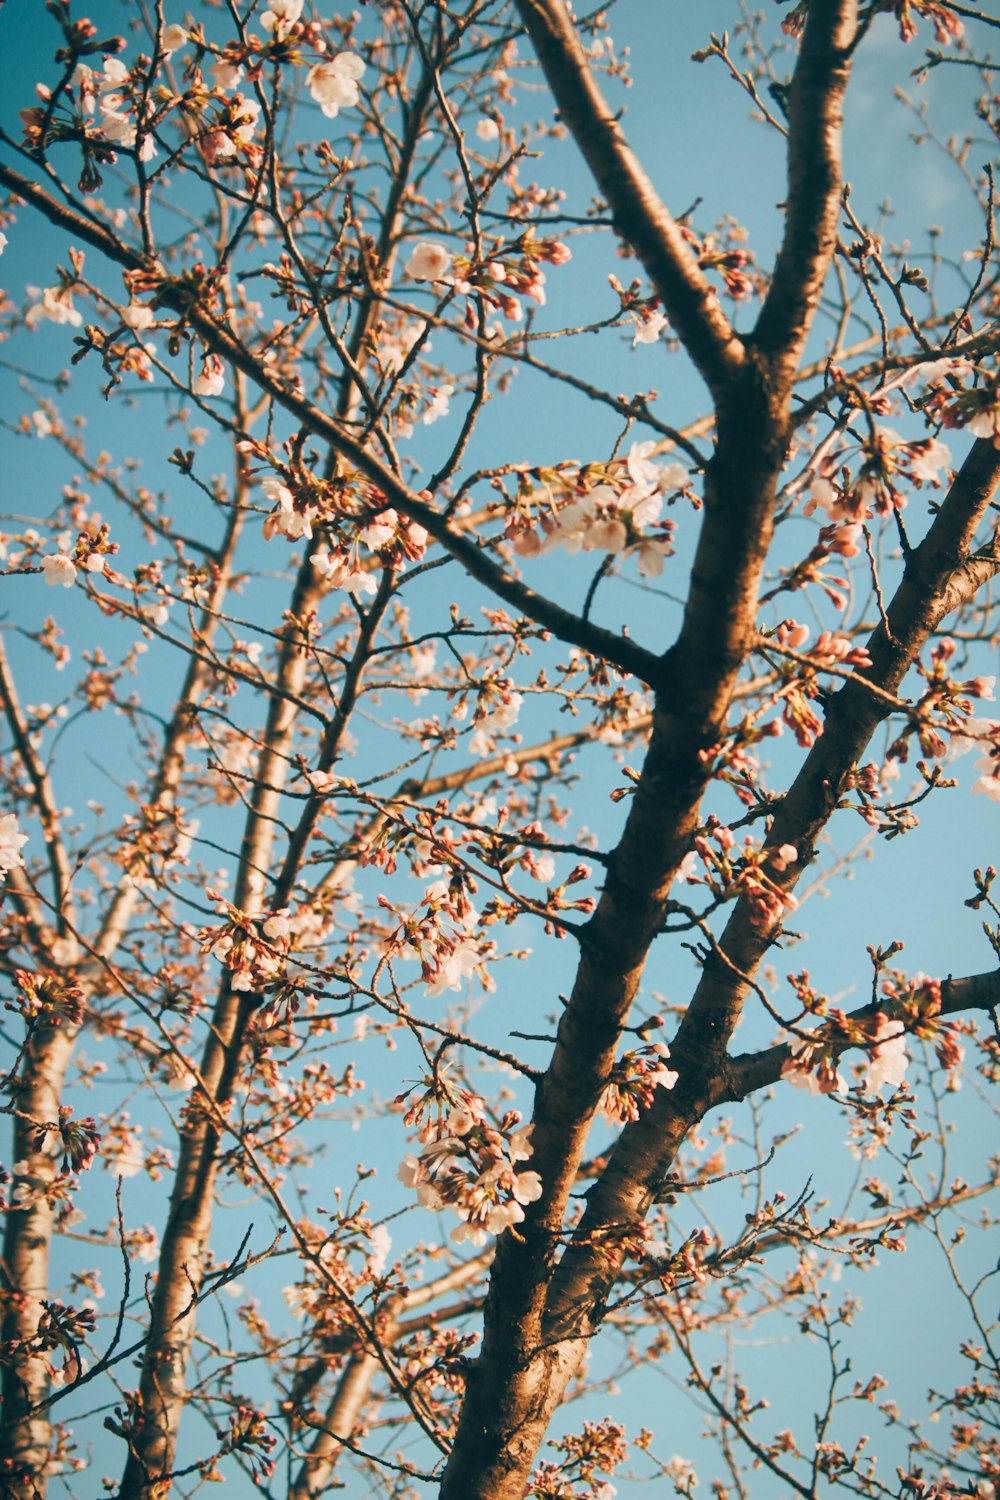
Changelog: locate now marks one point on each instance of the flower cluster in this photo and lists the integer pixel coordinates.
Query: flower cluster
(334, 85)
(248, 1435)
(588, 1456)
(63, 1328)
(358, 526)
(978, 409)
(604, 508)
(749, 872)
(634, 1080)
(887, 461)
(800, 684)
(79, 1140)
(812, 1061)
(497, 712)
(114, 109)
(48, 999)
(500, 276)
(466, 1163)
(252, 946)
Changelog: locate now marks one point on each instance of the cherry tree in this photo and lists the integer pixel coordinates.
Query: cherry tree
(445, 791)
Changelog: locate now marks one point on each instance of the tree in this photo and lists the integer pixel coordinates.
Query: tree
(442, 703)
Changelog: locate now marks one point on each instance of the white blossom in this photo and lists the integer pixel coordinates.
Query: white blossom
(439, 404)
(503, 717)
(889, 1057)
(212, 380)
(428, 262)
(334, 84)
(648, 328)
(57, 568)
(56, 306)
(281, 14)
(225, 74)
(173, 38)
(11, 842)
(138, 316)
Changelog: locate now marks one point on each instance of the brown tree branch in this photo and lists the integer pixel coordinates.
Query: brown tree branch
(751, 1071)
(931, 586)
(637, 212)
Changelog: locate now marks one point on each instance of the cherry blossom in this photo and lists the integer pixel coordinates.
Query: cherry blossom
(57, 306)
(930, 459)
(462, 961)
(494, 722)
(58, 569)
(650, 554)
(285, 520)
(344, 572)
(487, 130)
(172, 38)
(212, 379)
(138, 316)
(986, 423)
(429, 261)
(809, 1066)
(988, 782)
(226, 74)
(888, 1057)
(648, 328)
(334, 84)
(380, 530)
(11, 842)
(281, 15)
(235, 132)
(440, 397)
(633, 1084)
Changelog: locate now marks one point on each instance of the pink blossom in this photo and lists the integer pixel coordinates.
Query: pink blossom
(117, 127)
(456, 966)
(783, 856)
(440, 397)
(226, 74)
(808, 1066)
(650, 555)
(380, 530)
(986, 423)
(350, 577)
(498, 721)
